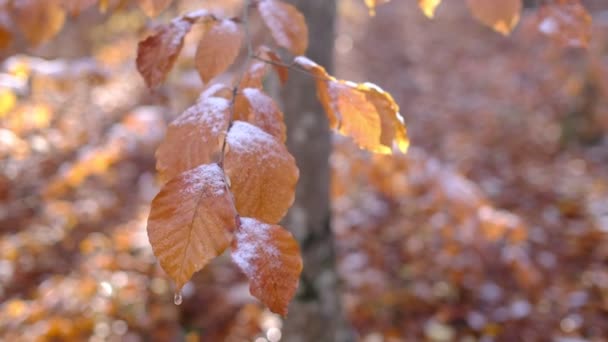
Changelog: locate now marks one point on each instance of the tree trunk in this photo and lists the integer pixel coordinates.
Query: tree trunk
(316, 313)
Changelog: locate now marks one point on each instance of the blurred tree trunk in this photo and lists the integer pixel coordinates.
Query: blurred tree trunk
(316, 313)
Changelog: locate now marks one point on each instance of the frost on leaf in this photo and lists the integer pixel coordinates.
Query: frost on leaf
(194, 137)
(568, 23)
(38, 20)
(218, 49)
(270, 257)
(286, 24)
(502, 15)
(152, 8)
(428, 7)
(263, 174)
(371, 4)
(257, 108)
(157, 53)
(192, 220)
(362, 111)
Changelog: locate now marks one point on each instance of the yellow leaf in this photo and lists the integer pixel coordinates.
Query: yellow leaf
(501, 15)
(270, 257)
(428, 7)
(192, 220)
(371, 4)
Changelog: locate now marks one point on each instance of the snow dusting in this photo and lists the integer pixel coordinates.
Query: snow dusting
(245, 138)
(208, 176)
(305, 62)
(210, 111)
(254, 242)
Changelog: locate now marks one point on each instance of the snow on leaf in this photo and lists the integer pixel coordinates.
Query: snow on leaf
(218, 49)
(156, 54)
(286, 24)
(152, 8)
(193, 138)
(257, 108)
(192, 220)
(363, 111)
(428, 7)
(38, 20)
(270, 257)
(262, 172)
(502, 15)
(568, 23)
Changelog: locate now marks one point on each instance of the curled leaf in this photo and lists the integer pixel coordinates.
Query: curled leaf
(262, 172)
(157, 54)
(192, 220)
(218, 49)
(286, 24)
(270, 257)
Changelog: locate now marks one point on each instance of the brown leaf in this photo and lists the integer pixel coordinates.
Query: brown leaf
(255, 107)
(286, 24)
(428, 7)
(193, 138)
(262, 172)
(39, 20)
(152, 8)
(270, 257)
(502, 15)
(568, 23)
(157, 54)
(218, 49)
(191, 221)
(363, 111)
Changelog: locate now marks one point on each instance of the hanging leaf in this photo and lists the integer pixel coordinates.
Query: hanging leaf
(257, 108)
(568, 23)
(428, 7)
(371, 4)
(218, 49)
(152, 8)
(191, 221)
(363, 111)
(156, 54)
(286, 24)
(257, 69)
(38, 20)
(262, 172)
(193, 138)
(502, 15)
(270, 257)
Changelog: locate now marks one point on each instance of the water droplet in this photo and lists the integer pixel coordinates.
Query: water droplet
(177, 298)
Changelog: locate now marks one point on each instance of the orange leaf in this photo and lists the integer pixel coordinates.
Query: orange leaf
(156, 54)
(270, 257)
(255, 107)
(286, 24)
(152, 8)
(38, 20)
(191, 221)
(569, 23)
(262, 172)
(428, 7)
(364, 111)
(501, 15)
(193, 138)
(256, 70)
(218, 49)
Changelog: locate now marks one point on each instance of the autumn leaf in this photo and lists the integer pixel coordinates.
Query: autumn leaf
(255, 107)
(38, 20)
(157, 54)
(371, 4)
(270, 257)
(502, 15)
(568, 23)
(192, 220)
(286, 24)
(428, 7)
(193, 138)
(262, 173)
(362, 111)
(152, 8)
(258, 68)
(218, 49)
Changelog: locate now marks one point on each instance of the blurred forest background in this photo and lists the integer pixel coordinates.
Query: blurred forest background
(494, 227)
